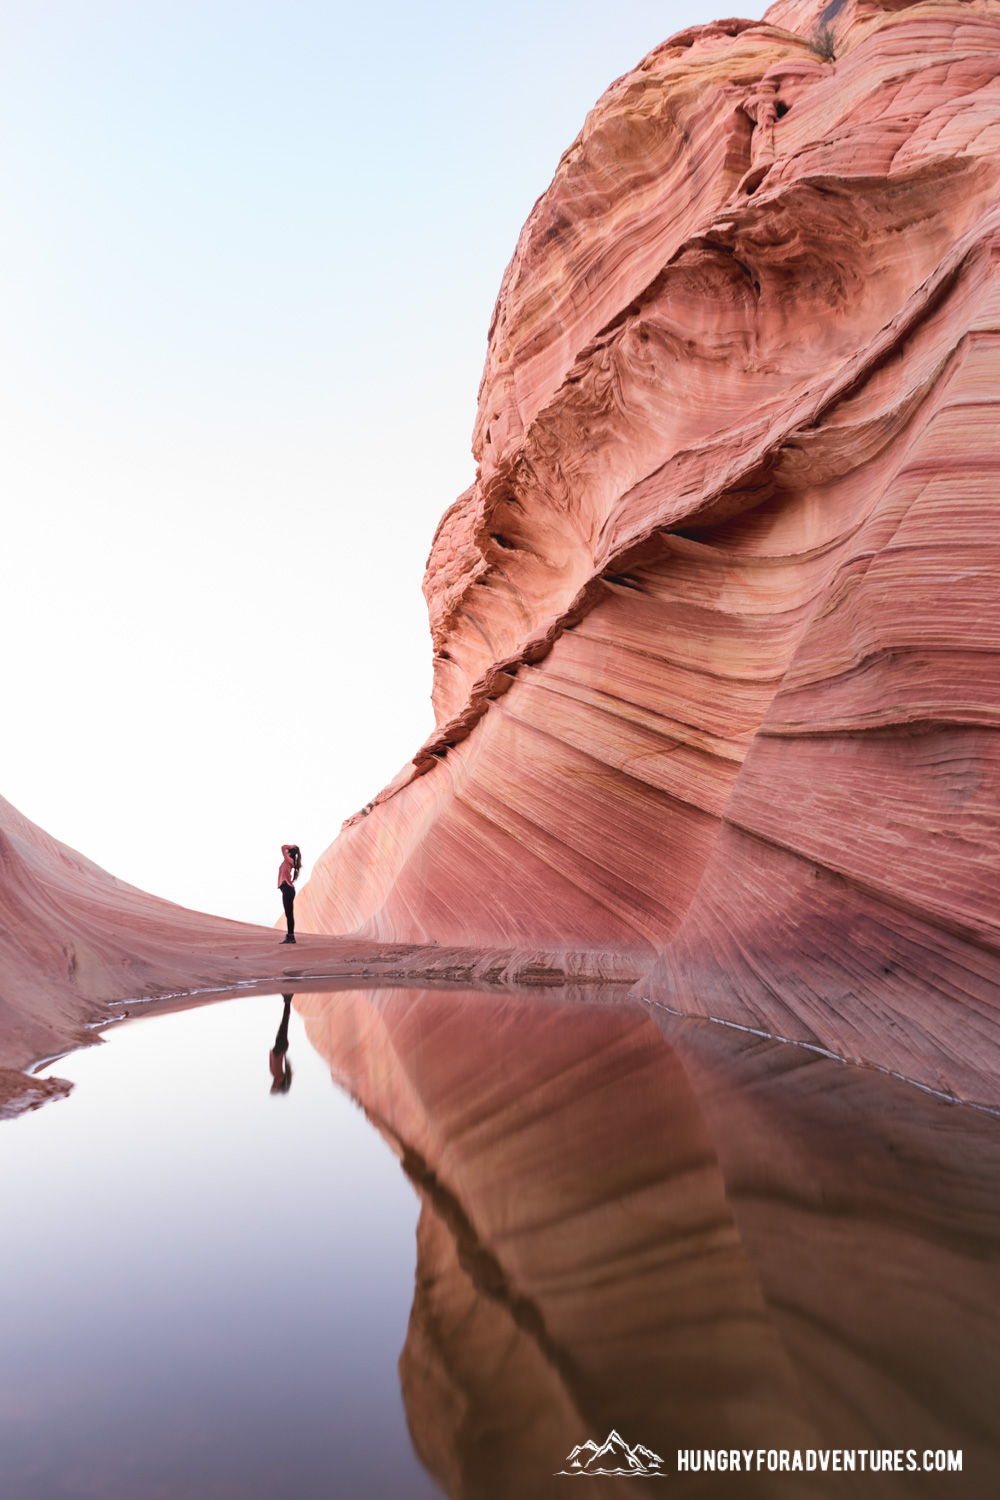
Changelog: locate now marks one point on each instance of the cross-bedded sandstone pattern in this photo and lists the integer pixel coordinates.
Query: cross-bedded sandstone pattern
(716, 628)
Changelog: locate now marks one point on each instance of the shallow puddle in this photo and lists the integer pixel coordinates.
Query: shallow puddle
(549, 1222)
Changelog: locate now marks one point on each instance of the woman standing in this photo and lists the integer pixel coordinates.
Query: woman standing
(288, 873)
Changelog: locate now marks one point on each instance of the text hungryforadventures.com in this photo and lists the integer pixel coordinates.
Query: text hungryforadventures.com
(821, 1460)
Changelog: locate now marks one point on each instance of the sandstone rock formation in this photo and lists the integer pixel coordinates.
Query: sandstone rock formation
(703, 1240)
(716, 629)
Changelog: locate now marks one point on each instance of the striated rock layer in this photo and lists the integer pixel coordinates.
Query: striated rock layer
(716, 628)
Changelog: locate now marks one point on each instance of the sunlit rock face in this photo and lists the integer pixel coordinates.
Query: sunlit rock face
(693, 1236)
(716, 628)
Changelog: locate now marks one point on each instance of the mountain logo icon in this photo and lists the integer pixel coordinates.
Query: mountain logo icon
(614, 1457)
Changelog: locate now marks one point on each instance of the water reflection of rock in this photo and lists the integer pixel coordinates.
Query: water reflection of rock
(871, 1214)
(704, 1241)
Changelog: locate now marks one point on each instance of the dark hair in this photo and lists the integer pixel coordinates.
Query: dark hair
(295, 855)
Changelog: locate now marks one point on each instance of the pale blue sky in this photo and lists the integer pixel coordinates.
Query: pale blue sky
(248, 256)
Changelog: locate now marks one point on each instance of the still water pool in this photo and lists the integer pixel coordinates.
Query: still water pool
(477, 1233)
(205, 1286)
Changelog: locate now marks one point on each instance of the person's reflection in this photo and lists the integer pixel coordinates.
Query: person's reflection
(281, 1068)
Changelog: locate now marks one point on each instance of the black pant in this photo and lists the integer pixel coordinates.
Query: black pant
(288, 897)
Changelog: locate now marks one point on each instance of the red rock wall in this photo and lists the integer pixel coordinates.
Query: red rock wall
(716, 629)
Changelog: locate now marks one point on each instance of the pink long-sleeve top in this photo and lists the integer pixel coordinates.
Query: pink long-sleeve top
(286, 868)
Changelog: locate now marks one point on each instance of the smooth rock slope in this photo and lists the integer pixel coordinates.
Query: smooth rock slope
(716, 629)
